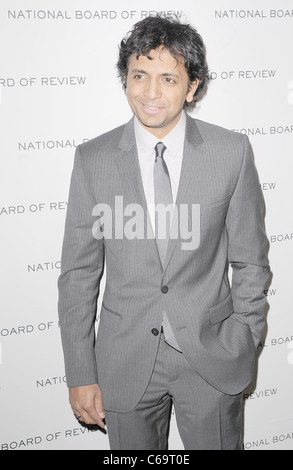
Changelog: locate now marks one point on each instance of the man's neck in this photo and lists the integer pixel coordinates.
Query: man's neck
(161, 132)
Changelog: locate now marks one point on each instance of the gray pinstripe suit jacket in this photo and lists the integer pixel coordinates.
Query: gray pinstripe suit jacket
(218, 326)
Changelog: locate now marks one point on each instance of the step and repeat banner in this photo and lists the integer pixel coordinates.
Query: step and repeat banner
(59, 87)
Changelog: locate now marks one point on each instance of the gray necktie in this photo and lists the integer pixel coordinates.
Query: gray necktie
(163, 195)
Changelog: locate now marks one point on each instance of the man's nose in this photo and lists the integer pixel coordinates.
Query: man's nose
(153, 89)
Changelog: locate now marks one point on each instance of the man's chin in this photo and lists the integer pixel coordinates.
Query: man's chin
(153, 125)
(151, 122)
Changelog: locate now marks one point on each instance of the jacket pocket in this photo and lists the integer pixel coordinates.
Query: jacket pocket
(221, 310)
(110, 318)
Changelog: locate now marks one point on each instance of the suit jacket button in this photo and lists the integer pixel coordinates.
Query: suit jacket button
(155, 331)
(164, 289)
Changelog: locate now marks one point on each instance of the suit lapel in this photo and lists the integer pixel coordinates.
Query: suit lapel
(129, 169)
(192, 163)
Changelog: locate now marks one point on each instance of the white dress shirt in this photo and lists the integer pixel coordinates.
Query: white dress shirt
(173, 155)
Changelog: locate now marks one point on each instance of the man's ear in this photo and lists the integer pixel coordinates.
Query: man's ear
(191, 90)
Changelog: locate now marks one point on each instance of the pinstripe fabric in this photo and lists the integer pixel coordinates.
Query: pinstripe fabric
(218, 326)
(206, 418)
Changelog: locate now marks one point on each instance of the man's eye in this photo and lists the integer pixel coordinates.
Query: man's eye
(169, 80)
(138, 77)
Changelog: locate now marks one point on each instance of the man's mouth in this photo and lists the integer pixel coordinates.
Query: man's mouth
(151, 109)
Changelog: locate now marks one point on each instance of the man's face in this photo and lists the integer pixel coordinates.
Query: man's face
(157, 89)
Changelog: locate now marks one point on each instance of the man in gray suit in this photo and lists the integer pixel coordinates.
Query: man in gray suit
(172, 329)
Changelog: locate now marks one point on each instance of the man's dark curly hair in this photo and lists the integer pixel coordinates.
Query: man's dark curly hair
(181, 40)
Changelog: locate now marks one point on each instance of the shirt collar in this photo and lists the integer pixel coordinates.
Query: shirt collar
(146, 141)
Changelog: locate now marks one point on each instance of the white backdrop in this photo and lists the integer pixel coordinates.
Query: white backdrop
(59, 87)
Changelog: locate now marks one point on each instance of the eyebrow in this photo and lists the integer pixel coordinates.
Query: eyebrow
(165, 74)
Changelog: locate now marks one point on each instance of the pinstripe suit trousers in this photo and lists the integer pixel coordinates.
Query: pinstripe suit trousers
(206, 418)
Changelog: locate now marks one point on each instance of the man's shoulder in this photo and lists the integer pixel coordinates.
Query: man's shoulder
(215, 133)
(105, 141)
(223, 145)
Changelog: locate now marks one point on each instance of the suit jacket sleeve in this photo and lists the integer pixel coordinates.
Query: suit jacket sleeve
(247, 249)
(82, 264)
